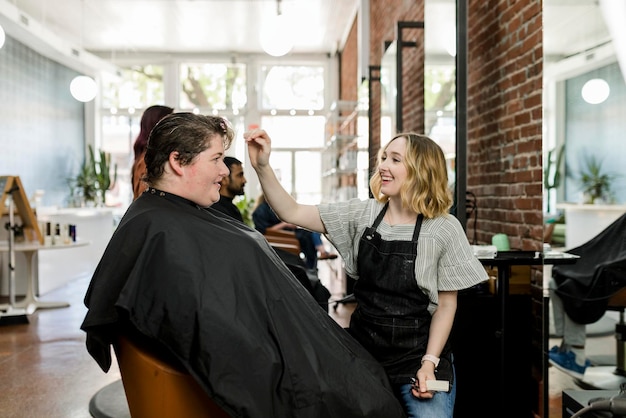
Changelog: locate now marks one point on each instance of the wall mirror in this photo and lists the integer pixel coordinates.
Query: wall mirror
(584, 103)
(584, 100)
(440, 34)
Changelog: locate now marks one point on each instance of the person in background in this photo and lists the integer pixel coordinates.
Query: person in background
(569, 356)
(409, 256)
(311, 244)
(150, 117)
(231, 186)
(211, 294)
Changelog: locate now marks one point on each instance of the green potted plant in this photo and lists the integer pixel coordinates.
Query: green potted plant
(93, 179)
(596, 184)
(102, 170)
(245, 206)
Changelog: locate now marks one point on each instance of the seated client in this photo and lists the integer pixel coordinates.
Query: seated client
(212, 294)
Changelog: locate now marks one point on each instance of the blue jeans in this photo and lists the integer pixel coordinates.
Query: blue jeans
(440, 406)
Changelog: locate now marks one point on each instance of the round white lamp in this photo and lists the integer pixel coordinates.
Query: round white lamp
(595, 91)
(276, 36)
(83, 88)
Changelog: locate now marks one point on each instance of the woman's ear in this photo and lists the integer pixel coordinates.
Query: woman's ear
(174, 163)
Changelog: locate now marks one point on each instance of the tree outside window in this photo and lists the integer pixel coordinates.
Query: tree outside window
(214, 86)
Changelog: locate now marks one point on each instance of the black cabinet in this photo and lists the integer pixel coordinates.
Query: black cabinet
(483, 388)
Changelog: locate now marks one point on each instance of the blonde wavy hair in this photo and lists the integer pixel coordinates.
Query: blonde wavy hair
(426, 188)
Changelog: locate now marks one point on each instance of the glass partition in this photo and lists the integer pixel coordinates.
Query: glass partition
(440, 80)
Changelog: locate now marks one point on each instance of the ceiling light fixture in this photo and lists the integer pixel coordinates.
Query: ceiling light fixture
(595, 91)
(83, 88)
(276, 34)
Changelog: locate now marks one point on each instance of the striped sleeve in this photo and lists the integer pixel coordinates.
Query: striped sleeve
(458, 268)
(345, 223)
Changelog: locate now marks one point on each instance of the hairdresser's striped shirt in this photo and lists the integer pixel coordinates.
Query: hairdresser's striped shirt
(445, 260)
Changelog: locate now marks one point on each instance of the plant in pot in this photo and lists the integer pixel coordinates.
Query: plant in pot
(102, 168)
(596, 184)
(93, 179)
(245, 206)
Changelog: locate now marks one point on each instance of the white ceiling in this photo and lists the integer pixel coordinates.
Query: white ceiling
(227, 26)
(214, 26)
(571, 27)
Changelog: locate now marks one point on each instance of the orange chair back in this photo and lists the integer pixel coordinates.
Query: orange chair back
(156, 389)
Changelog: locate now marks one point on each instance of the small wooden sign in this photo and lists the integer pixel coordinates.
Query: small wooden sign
(12, 185)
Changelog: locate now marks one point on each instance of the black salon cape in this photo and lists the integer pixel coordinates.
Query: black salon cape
(219, 298)
(586, 286)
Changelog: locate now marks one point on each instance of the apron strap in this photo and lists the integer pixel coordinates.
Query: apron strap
(418, 222)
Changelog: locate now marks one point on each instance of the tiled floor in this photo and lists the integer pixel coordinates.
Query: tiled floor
(45, 370)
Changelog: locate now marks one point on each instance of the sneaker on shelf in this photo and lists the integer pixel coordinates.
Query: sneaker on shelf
(566, 362)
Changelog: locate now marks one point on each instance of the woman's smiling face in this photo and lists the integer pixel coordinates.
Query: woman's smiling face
(205, 173)
(392, 168)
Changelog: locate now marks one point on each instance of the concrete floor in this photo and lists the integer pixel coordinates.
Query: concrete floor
(45, 370)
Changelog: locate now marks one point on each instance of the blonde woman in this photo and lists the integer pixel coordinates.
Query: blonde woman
(409, 256)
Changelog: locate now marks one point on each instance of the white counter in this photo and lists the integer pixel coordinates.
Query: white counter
(583, 222)
(55, 268)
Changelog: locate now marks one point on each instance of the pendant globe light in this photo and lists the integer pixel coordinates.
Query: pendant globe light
(595, 91)
(276, 35)
(82, 87)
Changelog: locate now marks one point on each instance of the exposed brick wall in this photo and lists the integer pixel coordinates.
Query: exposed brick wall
(504, 106)
(349, 61)
(504, 120)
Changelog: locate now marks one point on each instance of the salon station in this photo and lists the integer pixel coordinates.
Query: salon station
(525, 98)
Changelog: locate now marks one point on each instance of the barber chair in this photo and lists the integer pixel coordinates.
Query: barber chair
(155, 388)
(285, 240)
(594, 284)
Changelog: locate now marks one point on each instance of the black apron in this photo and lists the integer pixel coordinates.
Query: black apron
(391, 319)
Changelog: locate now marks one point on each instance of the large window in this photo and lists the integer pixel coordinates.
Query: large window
(124, 97)
(297, 142)
(133, 88)
(290, 106)
(292, 87)
(213, 86)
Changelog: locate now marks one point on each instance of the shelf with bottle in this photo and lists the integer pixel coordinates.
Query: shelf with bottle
(340, 119)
